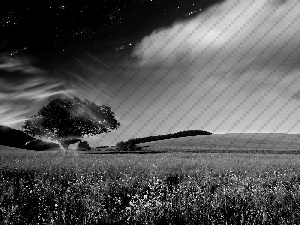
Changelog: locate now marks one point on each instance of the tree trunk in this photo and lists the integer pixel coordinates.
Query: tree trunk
(64, 147)
(65, 150)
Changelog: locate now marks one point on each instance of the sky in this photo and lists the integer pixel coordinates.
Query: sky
(222, 66)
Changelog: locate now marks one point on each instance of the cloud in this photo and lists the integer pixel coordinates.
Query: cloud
(23, 87)
(237, 61)
(231, 31)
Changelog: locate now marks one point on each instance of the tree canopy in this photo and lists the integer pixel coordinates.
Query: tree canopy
(68, 120)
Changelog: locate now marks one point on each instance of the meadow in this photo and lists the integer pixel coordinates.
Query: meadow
(163, 188)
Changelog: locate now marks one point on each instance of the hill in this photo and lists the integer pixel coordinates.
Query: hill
(247, 142)
(186, 133)
(16, 138)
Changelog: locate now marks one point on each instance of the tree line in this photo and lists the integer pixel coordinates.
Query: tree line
(130, 145)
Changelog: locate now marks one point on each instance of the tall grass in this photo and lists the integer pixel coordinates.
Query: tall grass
(177, 188)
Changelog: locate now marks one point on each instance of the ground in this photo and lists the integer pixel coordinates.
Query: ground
(166, 188)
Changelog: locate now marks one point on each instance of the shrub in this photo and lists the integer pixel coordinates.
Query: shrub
(104, 146)
(121, 146)
(83, 146)
(126, 146)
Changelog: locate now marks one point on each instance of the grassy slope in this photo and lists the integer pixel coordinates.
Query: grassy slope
(7, 149)
(241, 142)
(14, 150)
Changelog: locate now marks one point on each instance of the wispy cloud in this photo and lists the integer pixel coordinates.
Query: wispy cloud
(23, 86)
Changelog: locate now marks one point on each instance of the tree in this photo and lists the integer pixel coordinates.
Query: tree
(83, 146)
(68, 120)
(127, 145)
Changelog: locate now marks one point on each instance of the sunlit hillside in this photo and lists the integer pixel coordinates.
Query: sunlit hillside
(255, 141)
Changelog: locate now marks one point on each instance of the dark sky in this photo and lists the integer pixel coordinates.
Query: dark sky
(35, 26)
(162, 66)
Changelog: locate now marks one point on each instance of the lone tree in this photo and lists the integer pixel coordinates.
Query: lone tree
(68, 120)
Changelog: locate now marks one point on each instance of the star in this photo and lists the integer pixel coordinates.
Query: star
(49, 24)
(62, 7)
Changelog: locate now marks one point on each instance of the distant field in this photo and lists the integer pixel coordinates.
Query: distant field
(230, 143)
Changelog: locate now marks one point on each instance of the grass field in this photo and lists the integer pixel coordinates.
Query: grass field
(164, 188)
